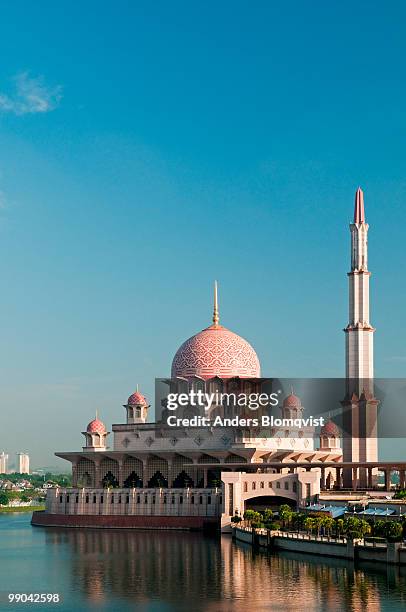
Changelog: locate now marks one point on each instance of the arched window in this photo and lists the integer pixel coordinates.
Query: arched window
(182, 481)
(158, 480)
(109, 481)
(132, 481)
(109, 472)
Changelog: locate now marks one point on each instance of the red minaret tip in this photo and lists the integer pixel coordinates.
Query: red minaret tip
(359, 211)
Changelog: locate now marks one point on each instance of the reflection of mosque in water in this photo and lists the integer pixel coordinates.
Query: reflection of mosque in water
(142, 566)
(169, 568)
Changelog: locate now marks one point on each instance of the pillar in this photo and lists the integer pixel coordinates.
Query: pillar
(74, 474)
(387, 474)
(369, 479)
(97, 482)
(120, 473)
(323, 479)
(338, 477)
(354, 478)
(145, 476)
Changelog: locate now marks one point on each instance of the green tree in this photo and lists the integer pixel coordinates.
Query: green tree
(4, 498)
(379, 528)
(351, 526)
(268, 515)
(328, 524)
(364, 528)
(285, 513)
(356, 528)
(340, 526)
(252, 517)
(393, 531)
(318, 523)
(295, 520)
(299, 519)
(309, 524)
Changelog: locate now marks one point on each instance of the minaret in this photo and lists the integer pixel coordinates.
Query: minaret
(359, 331)
(360, 406)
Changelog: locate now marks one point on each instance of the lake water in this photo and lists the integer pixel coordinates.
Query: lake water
(171, 571)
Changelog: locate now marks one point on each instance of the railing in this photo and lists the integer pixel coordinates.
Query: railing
(294, 535)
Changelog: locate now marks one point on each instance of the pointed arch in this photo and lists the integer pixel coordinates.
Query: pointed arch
(109, 472)
(86, 473)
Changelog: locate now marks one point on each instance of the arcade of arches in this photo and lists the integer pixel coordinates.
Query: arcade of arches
(152, 471)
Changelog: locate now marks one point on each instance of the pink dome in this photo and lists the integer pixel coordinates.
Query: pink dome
(137, 399)
(292, 401)
(96, 426)
(216, 351)
(330, 429)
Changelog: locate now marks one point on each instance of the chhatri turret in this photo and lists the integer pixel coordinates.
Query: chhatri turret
(136, 408)
(96, 435)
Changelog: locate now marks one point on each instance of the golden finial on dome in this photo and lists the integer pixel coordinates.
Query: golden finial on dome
(216, 317)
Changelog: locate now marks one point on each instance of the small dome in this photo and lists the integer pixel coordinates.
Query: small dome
(96, 426)
(137, 399)
(292, 401)
(330, 429)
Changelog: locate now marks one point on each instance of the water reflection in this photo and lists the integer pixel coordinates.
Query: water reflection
(176, 571)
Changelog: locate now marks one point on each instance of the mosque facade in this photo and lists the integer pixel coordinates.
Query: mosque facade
(139, 474)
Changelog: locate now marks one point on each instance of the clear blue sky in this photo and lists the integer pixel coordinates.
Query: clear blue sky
(148, 148)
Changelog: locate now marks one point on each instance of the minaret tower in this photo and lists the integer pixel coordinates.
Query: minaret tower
(359, 331)
(360, 406)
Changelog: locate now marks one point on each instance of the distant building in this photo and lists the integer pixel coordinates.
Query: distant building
(8, 485)
(3, 463)
(23, 463)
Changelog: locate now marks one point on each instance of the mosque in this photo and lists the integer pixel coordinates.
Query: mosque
(141, 475)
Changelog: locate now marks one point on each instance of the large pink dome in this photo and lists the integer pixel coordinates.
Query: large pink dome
(216, 351)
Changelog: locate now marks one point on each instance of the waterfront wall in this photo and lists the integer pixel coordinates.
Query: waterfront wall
(131, 508)
(201, 523)
(135, 502)
(391, 552)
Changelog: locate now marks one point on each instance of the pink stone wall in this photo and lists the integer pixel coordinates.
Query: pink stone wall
(46, 519)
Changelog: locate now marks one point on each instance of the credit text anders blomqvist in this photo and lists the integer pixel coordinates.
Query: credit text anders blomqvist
(252, 401)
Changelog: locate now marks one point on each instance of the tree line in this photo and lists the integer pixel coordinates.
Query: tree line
(315, 524)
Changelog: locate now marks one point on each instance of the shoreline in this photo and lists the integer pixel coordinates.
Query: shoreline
(9, 509)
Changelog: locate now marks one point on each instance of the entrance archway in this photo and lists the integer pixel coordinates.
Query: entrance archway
(262, 502)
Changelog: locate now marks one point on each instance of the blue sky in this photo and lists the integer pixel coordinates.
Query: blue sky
(147, 149)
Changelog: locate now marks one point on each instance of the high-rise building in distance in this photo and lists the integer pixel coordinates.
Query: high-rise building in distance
(23, 463)
(3, 463)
